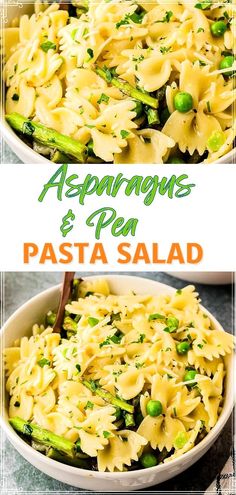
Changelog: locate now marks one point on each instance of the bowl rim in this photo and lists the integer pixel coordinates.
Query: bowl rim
(227, 408)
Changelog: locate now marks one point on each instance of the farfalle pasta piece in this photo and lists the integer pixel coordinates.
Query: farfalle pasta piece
(96, 429)
(160, 432)
(20, 98)
(147, 146)
(46, 400)
(21, 404)
(130, 383)
(211, 391)
(212, 344)
(204, 365)
(188, 439)
(122, 449)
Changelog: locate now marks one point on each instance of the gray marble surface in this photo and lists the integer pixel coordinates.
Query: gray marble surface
(21, 478)
(7, 155)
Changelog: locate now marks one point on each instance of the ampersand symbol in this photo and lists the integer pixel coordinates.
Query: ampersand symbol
(66, 226)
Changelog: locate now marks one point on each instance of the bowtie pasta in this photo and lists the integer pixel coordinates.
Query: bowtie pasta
(123, 82)
(132, 381)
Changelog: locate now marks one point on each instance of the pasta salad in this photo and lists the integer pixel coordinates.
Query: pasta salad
(123, 81)
(131, 381)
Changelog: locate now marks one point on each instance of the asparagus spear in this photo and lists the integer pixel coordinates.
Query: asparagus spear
(115, 401)
(45, 437)
(75, 461)
(129, 420)
(126, 88)
(152, 116)
(59, 157)
(47, 136)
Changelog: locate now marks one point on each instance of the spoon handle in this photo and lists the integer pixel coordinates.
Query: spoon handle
(65, 295)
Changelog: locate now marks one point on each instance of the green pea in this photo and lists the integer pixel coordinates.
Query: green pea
(183, 347)
(180, 440)
(175, 159)
(226, 63)
(183, 102)
(218, 28)
(148, 460)
(215, 141)
(190, 375)
(154, 408)
(138, 109)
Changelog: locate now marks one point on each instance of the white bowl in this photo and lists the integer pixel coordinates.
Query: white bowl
(22, 150)
(20, 324)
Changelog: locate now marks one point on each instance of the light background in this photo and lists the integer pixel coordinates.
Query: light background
(22, 478)
(204, 217)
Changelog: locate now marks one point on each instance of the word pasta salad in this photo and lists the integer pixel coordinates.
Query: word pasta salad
(131, 381)
(123, 81)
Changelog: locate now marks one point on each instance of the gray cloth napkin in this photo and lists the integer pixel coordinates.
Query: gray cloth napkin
(225, 482)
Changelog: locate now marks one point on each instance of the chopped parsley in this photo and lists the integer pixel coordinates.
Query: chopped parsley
(115, 339)
(73, 34)
(103, 99)
(140, 339)
(92, 321)
(115, 317)
(164, 49)
(139, 365)
(208, 106)
(203, 5)
(85, 32)
(15, 97)
(48, 45)
(156, 316)
(78, 367)
(124, 134)
(90, 53)
(136, 17)
(89, 405)
(167, 16)
(43, 362)
(106, 434)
